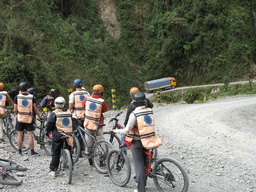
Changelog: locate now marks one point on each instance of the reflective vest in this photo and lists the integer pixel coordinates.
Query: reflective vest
(25, 108)
(63, 120)
(146, 129)
(93, 108)
(2, 101)
(79, 97)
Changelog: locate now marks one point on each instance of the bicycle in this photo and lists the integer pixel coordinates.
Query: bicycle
(8, 123)
(167, 173)
(7, 172)
(99, 150)
(39, 135)
(110, 135)
(66, 162)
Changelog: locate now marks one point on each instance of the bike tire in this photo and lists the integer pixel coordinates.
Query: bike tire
(13, 140)
(67, 165)
(169, 175)
(75, 149)
(9, 127)
(118, 167)
(12, 165)
(112, 138)
(100, 154)
(9, 178)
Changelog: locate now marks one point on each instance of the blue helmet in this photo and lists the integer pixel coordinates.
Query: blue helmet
(78, 83)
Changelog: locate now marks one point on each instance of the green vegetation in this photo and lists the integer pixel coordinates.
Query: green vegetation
(52, 42)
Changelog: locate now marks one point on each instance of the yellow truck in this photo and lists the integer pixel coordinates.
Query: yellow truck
(163, 83)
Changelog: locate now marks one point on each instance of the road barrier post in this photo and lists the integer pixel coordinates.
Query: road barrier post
(158, 95)
(113, 92)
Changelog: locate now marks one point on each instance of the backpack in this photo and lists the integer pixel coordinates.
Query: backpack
(43, 103)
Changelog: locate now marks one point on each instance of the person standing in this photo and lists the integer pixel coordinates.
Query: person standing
(95, 106)
(140, 130)
(76, 107)
(59, 123)
(47, 102)
(4, 97)
(24, 107)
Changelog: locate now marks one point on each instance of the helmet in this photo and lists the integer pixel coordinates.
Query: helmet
(1, 86)
(134, 90)
(31, 90)
(139, 99)
(78, 83)
(98, 89)
(59, 102)
(53, 91)
(23, 86)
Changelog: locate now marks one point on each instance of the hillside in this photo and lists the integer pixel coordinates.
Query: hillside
(122, 43)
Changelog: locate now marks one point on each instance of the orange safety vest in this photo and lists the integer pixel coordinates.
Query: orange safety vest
(146, 128)
(93, 108)
(25, 108)
(79, 97)
(63, 120)
(2, 102)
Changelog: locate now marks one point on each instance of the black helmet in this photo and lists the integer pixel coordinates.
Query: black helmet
(139, 99)
(78, 83)
(31, 90)
(23, 86)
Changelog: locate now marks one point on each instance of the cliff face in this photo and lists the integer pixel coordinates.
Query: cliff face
(107, 12)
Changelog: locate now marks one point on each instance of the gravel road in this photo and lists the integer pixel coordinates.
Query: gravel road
(214, 141)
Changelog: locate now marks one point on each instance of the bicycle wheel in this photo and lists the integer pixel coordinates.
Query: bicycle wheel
(9, 178)
(75, 149)
(9, 127)
(46, 144)
(112, 138)
(13, 140)
(118, 167)
(67, 165)
(12, 165)
(100, 154)
(169, 175)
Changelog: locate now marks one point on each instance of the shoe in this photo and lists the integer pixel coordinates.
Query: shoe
(35, 153)
(19, 153)
(90, 161)
(52, 173)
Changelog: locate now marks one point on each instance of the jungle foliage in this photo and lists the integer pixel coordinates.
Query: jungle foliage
(50, 43)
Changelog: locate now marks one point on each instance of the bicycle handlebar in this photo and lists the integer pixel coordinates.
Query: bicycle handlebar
(115, 118)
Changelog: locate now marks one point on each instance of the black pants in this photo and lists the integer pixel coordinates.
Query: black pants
(139, 164)
(56, 149)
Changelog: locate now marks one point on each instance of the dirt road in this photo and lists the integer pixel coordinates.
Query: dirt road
(215, 142)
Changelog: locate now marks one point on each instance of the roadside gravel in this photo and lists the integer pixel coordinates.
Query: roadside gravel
(214, 141)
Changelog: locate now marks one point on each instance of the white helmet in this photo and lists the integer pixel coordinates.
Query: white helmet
(59, 102)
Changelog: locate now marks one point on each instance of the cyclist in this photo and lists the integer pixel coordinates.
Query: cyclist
(59, 123)
(75, 104)
(24, 106)
(95, 106)
(140, 127)
(4, 96)
(47, 102)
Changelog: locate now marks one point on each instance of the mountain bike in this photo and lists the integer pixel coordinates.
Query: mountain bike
(8, 123)
(39, 135)
(66, 162)
(99, 150)
(110, 135)
(7, 172)
(167, 173)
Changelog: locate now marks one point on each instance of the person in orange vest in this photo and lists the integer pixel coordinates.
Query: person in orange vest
(4, 97)
(59, 123)
(95, 106)
(24, 108)
(140, 131)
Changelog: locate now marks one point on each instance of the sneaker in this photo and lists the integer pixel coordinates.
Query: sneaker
(19, 153)
(52, 173)
(35, 153)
